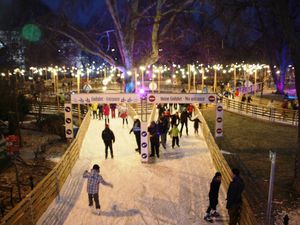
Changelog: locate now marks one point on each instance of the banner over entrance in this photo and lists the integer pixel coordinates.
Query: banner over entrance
(182, 98)
(104, 98)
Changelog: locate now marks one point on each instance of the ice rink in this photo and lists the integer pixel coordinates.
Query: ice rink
(170, 190)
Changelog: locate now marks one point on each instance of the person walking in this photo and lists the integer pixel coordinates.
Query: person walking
(174, 133)
(108, 138)
(234, 197)
(184, 121)
(136, 129)
(213, 197)
(94, 179)
(106, 112)
(196, 125)
(154, 139)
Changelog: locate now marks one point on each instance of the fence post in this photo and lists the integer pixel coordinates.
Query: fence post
(272, 156)
(57, 187)
(31, 211)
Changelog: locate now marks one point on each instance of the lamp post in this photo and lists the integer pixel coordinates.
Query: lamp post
(234, 77)
(255, 76)
(78, 92)
(202, 81)
(215, 78)
(142, 68)
(193, 71)
(189, 77)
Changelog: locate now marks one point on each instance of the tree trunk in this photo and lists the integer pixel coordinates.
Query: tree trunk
(296, 61)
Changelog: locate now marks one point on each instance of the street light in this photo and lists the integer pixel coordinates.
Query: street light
(142, 68)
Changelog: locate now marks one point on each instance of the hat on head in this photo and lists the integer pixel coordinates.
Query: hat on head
(106, 125)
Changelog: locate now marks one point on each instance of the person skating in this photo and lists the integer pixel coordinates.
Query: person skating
(136, 129)
(106, 112)
(174, 132)
(100, 111)
(154, 139)
(174, 119)
(94, 179)
(94, 108)
(108, 139)
(163, 127)
(124, 113)
(113, 107)
(234, 197)
(213, 197)
(184, 121)
(196, 125)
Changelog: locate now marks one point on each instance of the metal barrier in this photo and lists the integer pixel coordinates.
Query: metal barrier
(278, 115)
(247, 215)
(30, 209)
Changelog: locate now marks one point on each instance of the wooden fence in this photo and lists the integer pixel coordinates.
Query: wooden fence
(247, 215)
(278, 115)
(30, 209)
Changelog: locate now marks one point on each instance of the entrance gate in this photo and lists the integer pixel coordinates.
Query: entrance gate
(143, 99)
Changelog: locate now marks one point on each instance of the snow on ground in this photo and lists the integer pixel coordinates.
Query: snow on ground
(170, 190)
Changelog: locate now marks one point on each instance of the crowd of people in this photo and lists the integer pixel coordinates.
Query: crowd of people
(167, 124)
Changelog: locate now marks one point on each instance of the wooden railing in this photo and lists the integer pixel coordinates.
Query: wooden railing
(247, 215)
(278, 115)
(30, 209)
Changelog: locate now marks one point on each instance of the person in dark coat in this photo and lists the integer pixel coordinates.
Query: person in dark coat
(136, 129)
(154, 139)
(174, 119)
(184, 121)
(234, 197)
(163, 127)
(213, 197)
(196, 125)
(108, 139)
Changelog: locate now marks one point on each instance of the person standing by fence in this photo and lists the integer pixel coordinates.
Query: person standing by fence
(234, 197)
(154, 139)
(136, 129)
(213, 197)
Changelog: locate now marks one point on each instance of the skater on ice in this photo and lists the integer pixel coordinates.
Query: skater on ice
(213, 198)
(94, 179)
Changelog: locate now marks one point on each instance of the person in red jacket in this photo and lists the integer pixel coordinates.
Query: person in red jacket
(106, 112)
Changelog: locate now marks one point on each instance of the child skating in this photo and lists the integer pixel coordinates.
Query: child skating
(94, 179)
(175, 135)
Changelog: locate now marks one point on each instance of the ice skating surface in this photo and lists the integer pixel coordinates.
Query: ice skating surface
(170, 190)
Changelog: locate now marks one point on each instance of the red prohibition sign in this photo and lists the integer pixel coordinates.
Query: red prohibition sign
(219, 130)
(151, 98)
(211, 98)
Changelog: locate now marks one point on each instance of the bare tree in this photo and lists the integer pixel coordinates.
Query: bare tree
(136, 31)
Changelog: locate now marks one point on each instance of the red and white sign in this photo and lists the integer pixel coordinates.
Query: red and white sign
(219, 120)
(182, 98)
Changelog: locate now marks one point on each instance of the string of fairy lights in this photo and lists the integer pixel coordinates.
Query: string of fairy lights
(163, 72)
